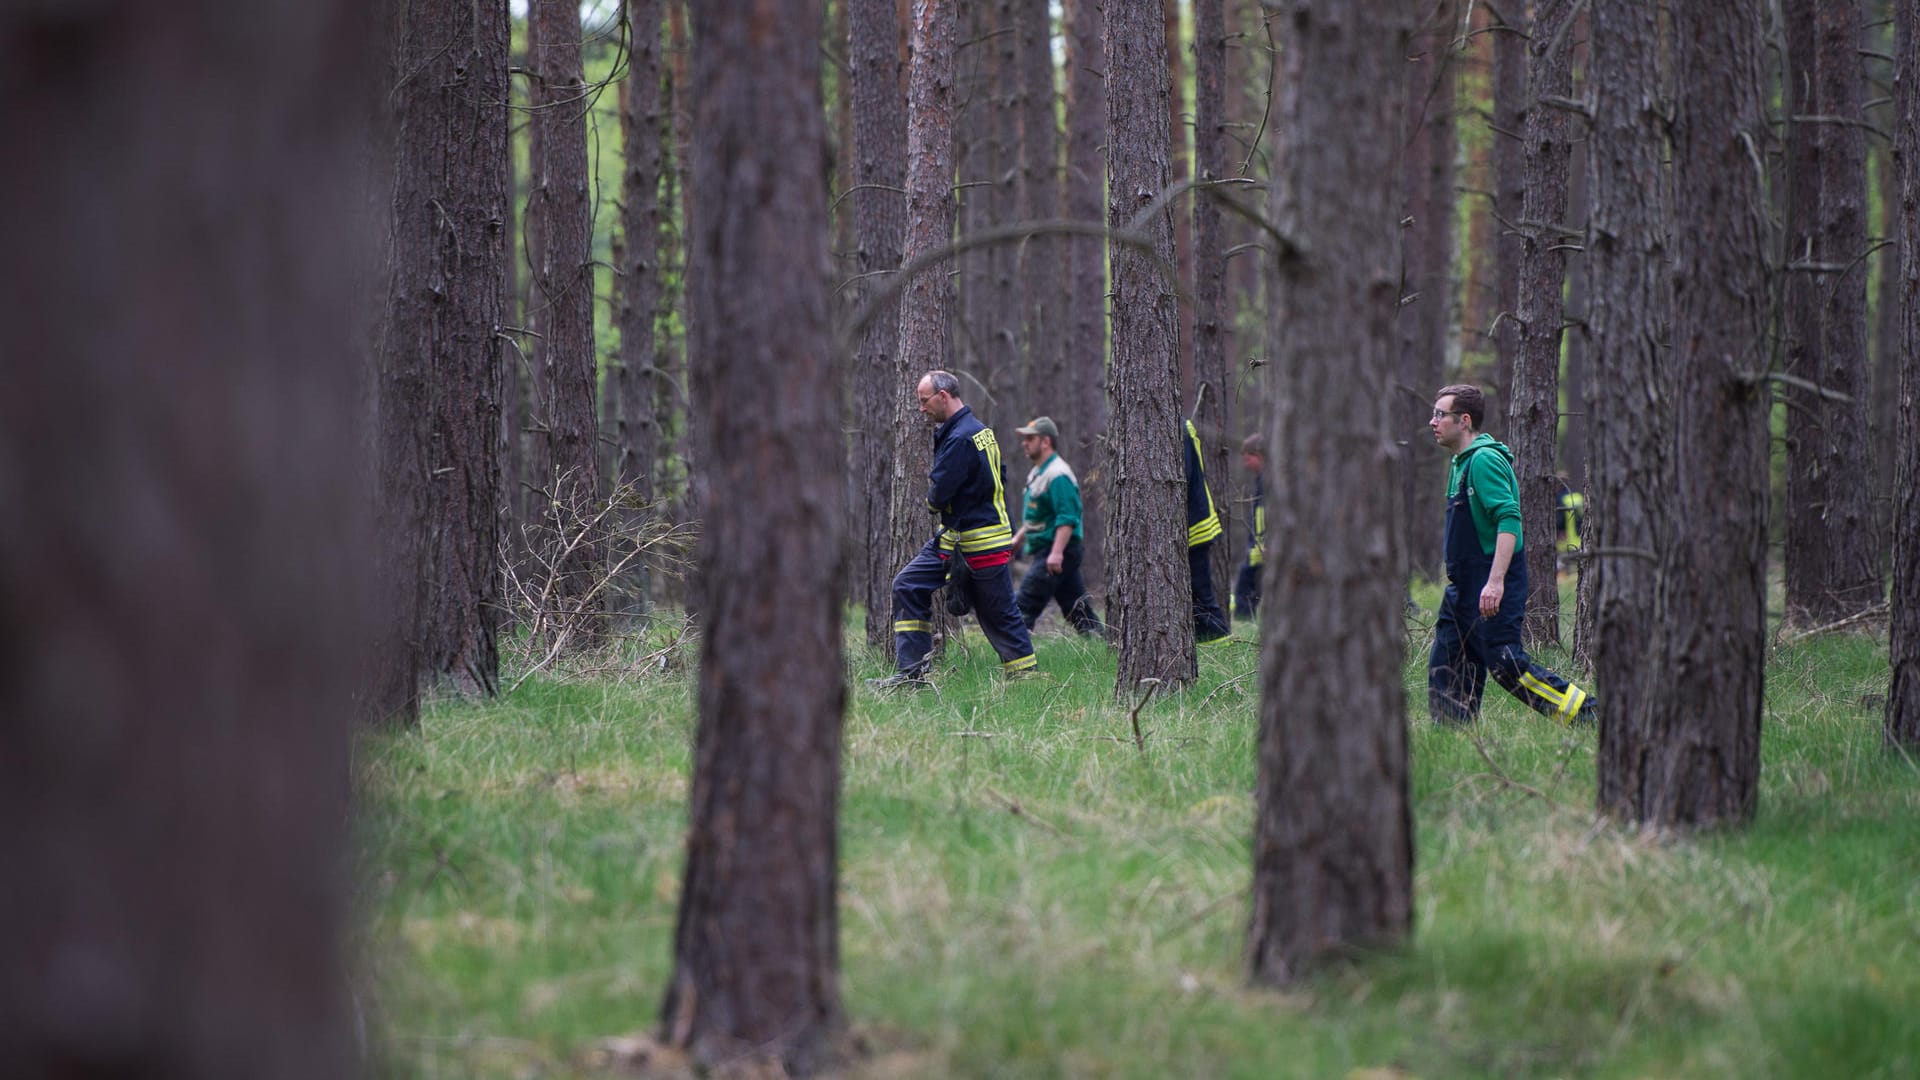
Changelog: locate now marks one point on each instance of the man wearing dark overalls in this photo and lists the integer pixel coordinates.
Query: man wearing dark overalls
(967, 490)
(1478, 630)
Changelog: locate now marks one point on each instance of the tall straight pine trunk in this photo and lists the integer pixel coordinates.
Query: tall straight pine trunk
(1333, 825)
(880, 222)
(1903, 694)
(756, 951)
(1533, 424)
(1149, 600)
(1690, 755)
(1630, 390)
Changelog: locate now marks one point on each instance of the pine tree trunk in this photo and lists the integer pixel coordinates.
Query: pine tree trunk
(1333, 825)
(1042, 287)
(1150, 595)
(191, 216)
(1631, 391)
(1178, 120)
(1691, 755)
(1085, 348)
(1510, 108)
(1424, 322)
(634, 386)
(927, 304)
(756, 956)
(561, 213)
(1903, 692)
(1533, 425)
(880, 217)
(1832, 568)
(1212, 392)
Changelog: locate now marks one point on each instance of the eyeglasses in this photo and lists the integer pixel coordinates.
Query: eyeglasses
(1442, 413)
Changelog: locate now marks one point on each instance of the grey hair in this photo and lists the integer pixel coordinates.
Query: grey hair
(944, 382)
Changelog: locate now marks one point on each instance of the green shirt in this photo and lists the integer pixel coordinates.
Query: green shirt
(1492, 493)
(1051, 499)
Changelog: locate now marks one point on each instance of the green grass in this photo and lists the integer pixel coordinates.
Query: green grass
(520, 861)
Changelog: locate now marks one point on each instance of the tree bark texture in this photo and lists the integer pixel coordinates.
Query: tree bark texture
(1086, 272)
(1630, 398)
(1833, 569)
(1510, 108)
(756, 954)
(1333, 826)
(183, 602)
(1042, 287)
(1249, 80)
(1425, 317)
(880, 222)
(635, 387)
(440, 362)
(1691, 756)
(1178, 170)
(1533, 422)
(1150, 595)
(1213, 394)
(1903, 692)
(926, 305)
(1883, 401)
(560, 213)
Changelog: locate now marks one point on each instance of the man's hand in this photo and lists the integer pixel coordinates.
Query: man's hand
(1055, 561)
(1491, 596)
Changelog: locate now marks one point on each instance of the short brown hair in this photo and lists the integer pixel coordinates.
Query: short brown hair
(1468, 399)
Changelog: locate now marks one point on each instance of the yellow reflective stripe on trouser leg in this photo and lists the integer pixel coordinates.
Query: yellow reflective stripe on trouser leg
(1565, 704)
(1019, 663)
(908, 626)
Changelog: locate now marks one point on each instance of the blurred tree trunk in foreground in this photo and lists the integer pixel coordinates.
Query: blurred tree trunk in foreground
(181, 571)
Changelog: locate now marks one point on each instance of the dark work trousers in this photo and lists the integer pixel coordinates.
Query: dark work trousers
(1467, 646)
(1064, 588)
(1209, 622)
(989, 588)
(1246, 593)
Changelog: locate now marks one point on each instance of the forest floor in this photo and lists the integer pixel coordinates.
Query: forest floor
(1024, 893)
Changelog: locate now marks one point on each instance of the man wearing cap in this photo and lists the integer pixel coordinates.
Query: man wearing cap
(966, 490)
(1050, 527)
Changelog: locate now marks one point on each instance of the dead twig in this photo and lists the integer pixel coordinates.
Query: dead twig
(1139, 737)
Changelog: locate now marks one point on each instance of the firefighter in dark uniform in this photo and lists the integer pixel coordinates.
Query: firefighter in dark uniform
(1203, 528)
(1246, 586)
(1478, 630)
(967, 490)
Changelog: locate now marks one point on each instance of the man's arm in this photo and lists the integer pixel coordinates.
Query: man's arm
(950, 471)
(1057, 558)
(1496, 587)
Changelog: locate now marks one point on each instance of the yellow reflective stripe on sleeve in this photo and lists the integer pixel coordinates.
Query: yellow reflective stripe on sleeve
(1207, 529)
(1019, 663)
(908, 626)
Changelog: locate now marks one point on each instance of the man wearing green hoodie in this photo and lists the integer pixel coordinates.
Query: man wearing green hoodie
(1478, 630)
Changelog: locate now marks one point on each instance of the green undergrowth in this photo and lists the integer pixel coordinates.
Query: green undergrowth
(1026, 893)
